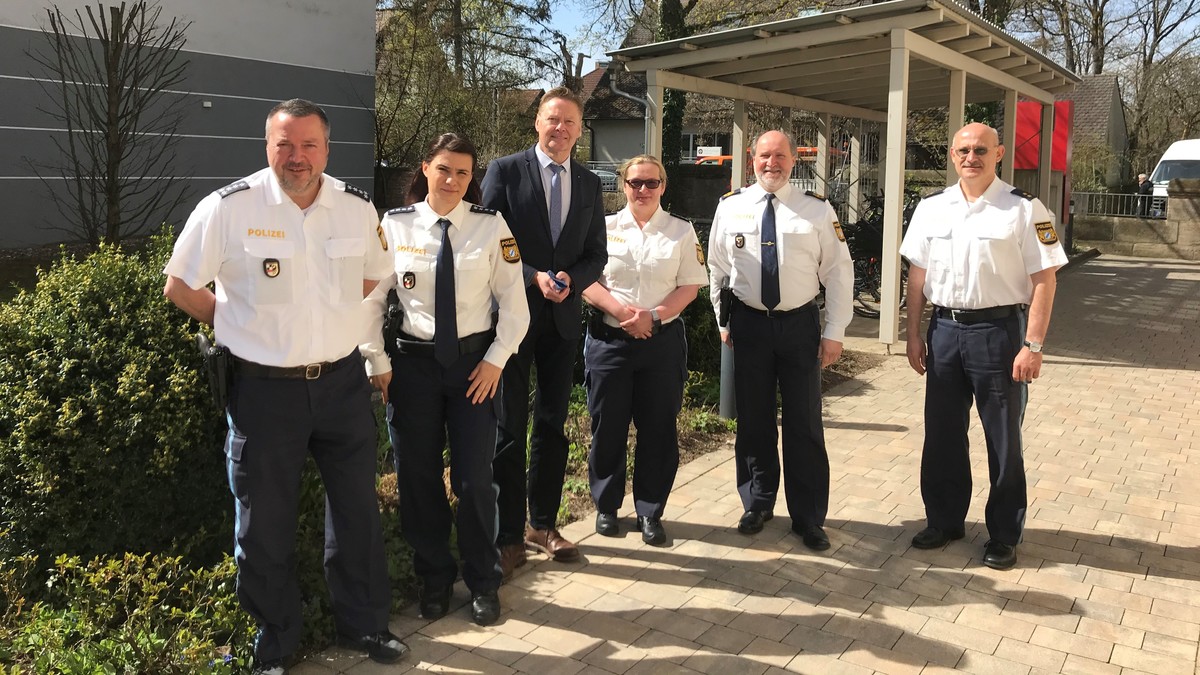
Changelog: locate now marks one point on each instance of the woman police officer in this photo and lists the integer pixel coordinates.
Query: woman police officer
(458, 281)
(635, 354)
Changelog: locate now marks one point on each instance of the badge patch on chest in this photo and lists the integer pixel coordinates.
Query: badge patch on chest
(271, 268)
(837, 229)
(409, 280)
(699, 254)
(508, 247)
(1046, 234)
(740, 241)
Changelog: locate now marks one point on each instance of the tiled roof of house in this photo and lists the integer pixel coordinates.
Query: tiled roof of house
(599, 101)
(1093, 98)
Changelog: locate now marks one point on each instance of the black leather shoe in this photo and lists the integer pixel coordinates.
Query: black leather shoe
(999, 556)
(435, 601)
(485, 608)
(272, 667)
(752, 521)
(382, 647)
(652, 531)
(606, 524)
(814, 537)
(933, 537)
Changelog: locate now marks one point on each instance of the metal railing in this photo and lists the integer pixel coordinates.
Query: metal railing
(1119, 204)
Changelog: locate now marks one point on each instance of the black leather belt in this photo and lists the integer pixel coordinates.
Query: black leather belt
(412, 346)
(977, 315)
(602, 331)
(311, 371)
(774, 313)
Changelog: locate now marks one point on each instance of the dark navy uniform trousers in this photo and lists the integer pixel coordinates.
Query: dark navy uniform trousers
(639, 381)
(965, 362)
(770, 352)
(425, 401)
(273, 425)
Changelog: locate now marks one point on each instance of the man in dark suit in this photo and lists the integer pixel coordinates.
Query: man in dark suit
(554, 207)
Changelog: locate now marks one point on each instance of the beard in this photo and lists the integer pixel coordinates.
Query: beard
(772, 181)
(292, 185)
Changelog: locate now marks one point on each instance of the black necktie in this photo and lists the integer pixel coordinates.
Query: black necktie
(445, 332)
(770, 257)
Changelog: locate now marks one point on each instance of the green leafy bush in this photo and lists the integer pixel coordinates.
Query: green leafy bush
(108, 440)
(131, 614)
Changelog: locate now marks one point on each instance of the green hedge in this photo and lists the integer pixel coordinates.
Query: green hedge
(108, 441)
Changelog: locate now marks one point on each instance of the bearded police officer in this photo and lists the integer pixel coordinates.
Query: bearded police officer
(985, 254)
(292, 253)
(774, 246)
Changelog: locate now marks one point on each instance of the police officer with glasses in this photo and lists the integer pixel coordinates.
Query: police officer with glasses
(635, 353)
(774, 247)
(454, 262)
(985, 254)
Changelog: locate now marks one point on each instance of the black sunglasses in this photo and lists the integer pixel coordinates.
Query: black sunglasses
(638, 184)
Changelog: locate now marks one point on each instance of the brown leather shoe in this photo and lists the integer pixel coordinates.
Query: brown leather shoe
(552, 544)
(512, 556)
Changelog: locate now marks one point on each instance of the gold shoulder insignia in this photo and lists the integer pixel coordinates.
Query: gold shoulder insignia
(1023, 194)
(508, 248)
(1046, 233)
(731, 193)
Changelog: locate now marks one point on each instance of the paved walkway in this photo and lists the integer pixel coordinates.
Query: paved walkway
(1108, 579)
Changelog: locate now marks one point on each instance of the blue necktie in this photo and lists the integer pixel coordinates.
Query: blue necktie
(445, 319)
(555, 202)
(770, 257)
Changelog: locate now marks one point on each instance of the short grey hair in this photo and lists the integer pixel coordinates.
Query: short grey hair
(298, 107)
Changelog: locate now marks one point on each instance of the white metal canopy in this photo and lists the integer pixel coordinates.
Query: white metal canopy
(874, 62)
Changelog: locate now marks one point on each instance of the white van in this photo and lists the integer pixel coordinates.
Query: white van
(1181, 160)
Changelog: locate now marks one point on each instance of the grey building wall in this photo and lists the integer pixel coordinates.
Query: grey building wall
(243, 58)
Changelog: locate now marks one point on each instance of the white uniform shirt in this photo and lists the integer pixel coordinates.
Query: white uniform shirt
(289, 285)
(646, 265)
(487, 275)
(979, 255)
(810, 251)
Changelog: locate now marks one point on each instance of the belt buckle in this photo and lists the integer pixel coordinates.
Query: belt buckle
(955, 315)
(312, 371)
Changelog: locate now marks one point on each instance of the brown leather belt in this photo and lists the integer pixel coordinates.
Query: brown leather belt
(311, 371)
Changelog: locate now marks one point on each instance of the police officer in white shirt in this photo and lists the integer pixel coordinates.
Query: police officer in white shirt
(635, 353)
(774, 246)
(985, 255)
(292, 253)
(454, 262)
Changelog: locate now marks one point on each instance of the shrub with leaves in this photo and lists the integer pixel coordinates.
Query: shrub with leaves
(129, 614)
(108, 439)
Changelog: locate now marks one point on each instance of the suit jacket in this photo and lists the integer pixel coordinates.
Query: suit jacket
(513, 186)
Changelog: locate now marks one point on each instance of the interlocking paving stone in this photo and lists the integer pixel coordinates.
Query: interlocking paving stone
(1108, 578)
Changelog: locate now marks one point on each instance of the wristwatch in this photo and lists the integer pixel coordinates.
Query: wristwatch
(657, 322)
(1035, 347)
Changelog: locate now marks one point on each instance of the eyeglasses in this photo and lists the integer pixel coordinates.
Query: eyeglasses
(638, 184)
(979, 151)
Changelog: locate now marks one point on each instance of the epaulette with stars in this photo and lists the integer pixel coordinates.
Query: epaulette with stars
(731, 193)
(475, 208)
(402, 209)
(1021, 193)
(815, 195)
(358, 192)
(236, 186)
